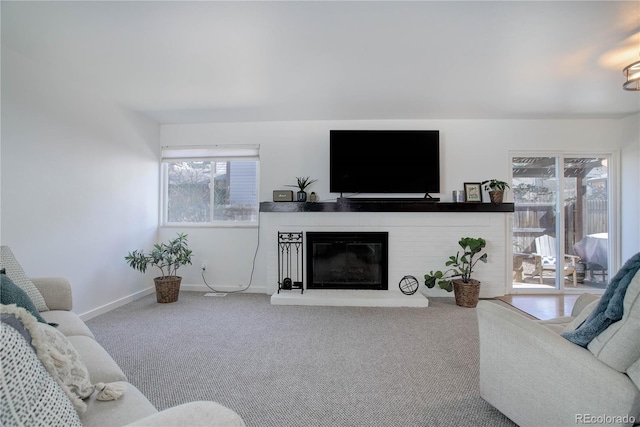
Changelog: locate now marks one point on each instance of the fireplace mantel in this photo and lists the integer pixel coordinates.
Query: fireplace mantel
(384, 206)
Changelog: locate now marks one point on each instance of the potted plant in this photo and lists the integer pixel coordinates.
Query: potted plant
(303, 182)
(496, 189)
(458, 277)
(168, 257)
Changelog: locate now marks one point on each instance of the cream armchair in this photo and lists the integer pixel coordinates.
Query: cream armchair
(536, 377)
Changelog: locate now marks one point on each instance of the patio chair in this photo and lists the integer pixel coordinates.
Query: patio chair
(545, 257)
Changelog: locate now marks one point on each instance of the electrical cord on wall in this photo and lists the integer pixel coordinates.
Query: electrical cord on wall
(253, 267)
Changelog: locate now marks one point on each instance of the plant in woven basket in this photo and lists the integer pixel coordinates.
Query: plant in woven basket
(461, 266)
(167, 257)
(496, 189)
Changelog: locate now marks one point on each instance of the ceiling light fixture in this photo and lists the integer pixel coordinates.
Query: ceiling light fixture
(632, 74)
(632, 71)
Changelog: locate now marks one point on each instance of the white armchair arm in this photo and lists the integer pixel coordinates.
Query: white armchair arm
(582, 302)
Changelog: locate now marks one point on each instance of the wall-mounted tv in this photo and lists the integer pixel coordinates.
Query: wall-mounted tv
(384, 161)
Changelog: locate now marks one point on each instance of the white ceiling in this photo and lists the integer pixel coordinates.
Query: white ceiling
(217, 61)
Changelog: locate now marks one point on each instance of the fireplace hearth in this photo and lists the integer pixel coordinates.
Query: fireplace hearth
(347, 260)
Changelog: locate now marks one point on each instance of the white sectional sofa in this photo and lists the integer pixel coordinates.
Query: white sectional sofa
(132, 408)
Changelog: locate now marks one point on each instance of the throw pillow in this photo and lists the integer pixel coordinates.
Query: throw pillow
(610, 309)
(15, 272)
(11, 320)
(12, 294)
(619, 345)
(28, 394)
(68, 368)
(62, 361)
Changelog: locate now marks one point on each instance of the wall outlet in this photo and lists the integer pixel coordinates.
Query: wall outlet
(204, 266)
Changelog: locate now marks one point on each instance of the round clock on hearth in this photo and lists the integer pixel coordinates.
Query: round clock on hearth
(408, 285)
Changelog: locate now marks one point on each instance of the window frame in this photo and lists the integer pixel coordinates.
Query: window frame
(613, 224)
(214, 153)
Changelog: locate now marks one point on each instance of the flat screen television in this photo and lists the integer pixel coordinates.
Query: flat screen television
(384, 161)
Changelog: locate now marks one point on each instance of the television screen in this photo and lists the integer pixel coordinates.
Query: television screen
(384, 161)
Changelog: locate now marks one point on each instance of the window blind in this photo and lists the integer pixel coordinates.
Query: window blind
(210, 152)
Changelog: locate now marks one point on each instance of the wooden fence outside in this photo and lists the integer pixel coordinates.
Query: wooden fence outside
(529, 223)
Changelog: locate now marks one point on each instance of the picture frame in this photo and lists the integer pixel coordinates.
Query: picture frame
(473, 192)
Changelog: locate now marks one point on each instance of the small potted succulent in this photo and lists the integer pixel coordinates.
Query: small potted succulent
(303, 183)
(168, 257)
(496, 189)
(458, 277)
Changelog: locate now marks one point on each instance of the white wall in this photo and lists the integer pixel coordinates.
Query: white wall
(79, 179)
(79, 183)
(630, 194)
(471, 150)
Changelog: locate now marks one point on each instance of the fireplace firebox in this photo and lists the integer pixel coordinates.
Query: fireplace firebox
(347, 260)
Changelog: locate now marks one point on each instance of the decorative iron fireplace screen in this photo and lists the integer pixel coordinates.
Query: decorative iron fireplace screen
(347, 260)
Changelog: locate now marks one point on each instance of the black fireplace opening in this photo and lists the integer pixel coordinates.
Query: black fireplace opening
(347, 260)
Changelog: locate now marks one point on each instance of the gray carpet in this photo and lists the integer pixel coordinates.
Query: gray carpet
(304, 366)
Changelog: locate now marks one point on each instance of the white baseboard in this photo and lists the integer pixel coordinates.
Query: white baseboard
(254, 289)
(115, 304)
(184, 287)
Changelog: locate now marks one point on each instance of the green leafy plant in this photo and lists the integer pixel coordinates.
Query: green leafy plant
(303, 182)
(168, 257)
(461, 265)
(495, 185)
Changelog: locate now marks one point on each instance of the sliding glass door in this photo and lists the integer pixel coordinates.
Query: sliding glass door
(561, 223)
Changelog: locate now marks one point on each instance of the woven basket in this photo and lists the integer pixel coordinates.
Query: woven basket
(466, 293)
(167, 288)
(496, 196)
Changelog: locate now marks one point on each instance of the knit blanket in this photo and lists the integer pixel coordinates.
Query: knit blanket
(610, 307)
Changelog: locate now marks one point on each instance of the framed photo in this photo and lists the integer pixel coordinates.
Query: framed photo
(473, 192)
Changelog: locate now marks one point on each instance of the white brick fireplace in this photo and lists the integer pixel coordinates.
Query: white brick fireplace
(418, 242)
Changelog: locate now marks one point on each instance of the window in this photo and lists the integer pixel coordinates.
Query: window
(210, 186)
(561, 232)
